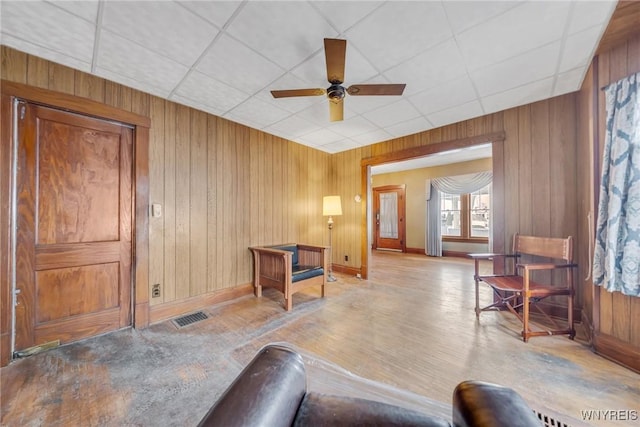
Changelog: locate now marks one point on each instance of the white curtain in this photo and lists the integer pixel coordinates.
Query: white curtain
(433, 235)
(459, 184)
(616, 263)
(462, 184)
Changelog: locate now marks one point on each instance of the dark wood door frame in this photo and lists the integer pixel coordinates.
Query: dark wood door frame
(140, 268)
(497, 142)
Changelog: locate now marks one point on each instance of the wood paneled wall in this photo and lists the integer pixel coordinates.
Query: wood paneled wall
(539, 166)
(614, 317)
(222, 186)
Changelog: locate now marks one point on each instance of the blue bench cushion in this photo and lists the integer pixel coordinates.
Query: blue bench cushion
(293, 248)
(301, 272)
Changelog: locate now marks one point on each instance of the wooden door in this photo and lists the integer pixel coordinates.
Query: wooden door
(74, 226)
(388, 216)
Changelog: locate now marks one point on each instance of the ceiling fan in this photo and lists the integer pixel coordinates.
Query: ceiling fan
(335, 52)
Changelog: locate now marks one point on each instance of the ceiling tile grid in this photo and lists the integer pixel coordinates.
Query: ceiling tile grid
(459, 59)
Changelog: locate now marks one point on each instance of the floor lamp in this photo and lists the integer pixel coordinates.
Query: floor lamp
(331, 206)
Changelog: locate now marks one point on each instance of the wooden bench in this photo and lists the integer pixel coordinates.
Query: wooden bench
(289, 268)
(517, 291)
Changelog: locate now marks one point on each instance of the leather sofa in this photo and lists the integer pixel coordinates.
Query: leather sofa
(272, 391)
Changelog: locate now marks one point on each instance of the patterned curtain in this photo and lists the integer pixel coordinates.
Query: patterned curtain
(616, 264)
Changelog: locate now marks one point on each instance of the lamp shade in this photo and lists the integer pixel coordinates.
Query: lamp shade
(331, 206)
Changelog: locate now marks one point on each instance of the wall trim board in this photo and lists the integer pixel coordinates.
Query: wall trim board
(587, 326)
(617, 351)
(73, 103)
(425, 150)
(456, 254)
(168, 310)
(419, 251)
(140, 198)
(345, 269)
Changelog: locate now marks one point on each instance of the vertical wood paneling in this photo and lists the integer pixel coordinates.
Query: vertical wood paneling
(511, 173)
(525, 174)
(169, 214)
(88, 86)
(61, 78)
(14, 65)
(38, 72)
(541, 185)
(183, 200)
(212, 202)
(198, 204)
(156, 195)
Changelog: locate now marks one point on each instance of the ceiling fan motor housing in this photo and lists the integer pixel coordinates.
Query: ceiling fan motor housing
(335, 92)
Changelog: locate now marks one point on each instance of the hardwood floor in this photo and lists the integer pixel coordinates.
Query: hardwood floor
(411, 326)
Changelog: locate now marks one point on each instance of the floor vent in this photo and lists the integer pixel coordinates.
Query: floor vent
(548, 421)
(183, 321)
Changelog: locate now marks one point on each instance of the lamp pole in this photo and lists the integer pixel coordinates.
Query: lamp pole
(330, 276)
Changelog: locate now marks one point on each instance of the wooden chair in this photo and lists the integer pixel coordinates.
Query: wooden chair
(516, 289)
(290, 268)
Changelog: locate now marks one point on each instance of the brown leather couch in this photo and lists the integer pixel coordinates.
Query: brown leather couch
(272, 391)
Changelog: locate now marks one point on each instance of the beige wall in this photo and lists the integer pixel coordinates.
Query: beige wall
(414, 180)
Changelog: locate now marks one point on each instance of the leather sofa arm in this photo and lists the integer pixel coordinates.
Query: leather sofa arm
(481, 404)
(267, 392)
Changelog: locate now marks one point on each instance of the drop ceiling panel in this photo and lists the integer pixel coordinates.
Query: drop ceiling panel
(534, 65)
(430, 68)
(163, 27)
(520, 29)
(452, 115)
(579, 47)
(135, 62)
(458, 59)
(230, 61)
(257, 111)
(209, 91)
(86, 9)
(447, 95)
(396, 111)
(408, 127)
(417, 26)
(48, 27)
(345, 15)
(216, 12)
(525, 94)
(463, 15)
(287, 34)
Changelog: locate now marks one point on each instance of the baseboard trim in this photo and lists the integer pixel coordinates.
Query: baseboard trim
(419, 251)
(617, 351)
(587, 326)
(345, 269)
(168, 310)
(456, 254)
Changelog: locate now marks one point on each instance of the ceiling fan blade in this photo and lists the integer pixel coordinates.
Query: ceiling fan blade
(381, 89)
(336, 111)
(335, 51)
(297, 92)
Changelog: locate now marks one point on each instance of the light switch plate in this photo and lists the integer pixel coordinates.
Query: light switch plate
(156, 210)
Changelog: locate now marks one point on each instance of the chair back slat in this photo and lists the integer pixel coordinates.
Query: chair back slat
(550, 247)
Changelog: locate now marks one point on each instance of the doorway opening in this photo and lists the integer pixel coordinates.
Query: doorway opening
(439, 155)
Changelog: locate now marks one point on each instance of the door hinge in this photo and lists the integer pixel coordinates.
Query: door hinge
(15, 297)
(23, 110)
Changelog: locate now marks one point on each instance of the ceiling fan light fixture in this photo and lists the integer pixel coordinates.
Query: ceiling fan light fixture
(335, 92)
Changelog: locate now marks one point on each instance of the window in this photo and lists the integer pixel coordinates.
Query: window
(466, 216)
